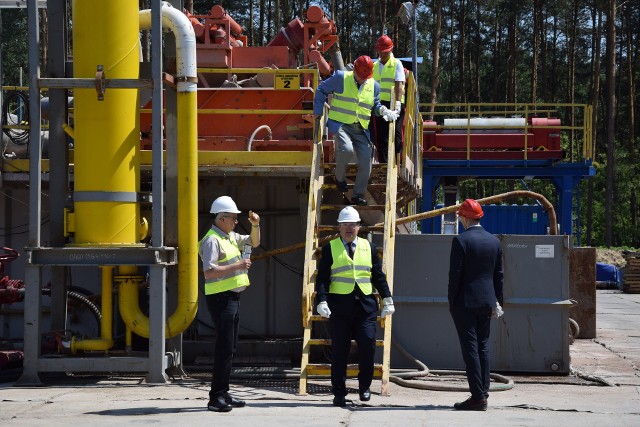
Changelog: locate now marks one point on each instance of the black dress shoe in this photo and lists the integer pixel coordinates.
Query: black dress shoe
(339, 401)
(472, 404)
(365, 396)
(342, 186)
(219, 404)
(358, 201)
(236, 403)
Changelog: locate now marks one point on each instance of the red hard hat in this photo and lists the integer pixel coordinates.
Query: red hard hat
(384, 44)
(363, 67)
(470, 209)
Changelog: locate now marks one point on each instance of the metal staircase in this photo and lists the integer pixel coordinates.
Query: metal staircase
(382, 184)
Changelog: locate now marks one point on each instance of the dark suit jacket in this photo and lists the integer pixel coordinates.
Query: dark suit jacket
(475, 270)
(343, 304)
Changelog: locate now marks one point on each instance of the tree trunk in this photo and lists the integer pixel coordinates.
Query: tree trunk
(572, 73)
(631, 117)
(512, 56)
(596, 25)
(435, 64)
(461, 52)
(611, 118)
(537, 30)
(261, 30)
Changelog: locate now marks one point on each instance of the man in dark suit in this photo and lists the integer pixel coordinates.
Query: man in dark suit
(475, 295)
(347, 270)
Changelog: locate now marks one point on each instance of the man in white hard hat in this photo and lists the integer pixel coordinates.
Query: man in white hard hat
(347, 270)
(225, 263)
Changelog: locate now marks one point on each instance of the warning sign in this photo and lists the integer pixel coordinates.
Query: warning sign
(287, 80)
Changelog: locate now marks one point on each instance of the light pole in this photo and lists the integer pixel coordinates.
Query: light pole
(408, 14)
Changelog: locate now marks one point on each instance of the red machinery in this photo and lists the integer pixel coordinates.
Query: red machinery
(10, 290)
(221, 45)
(493, 139)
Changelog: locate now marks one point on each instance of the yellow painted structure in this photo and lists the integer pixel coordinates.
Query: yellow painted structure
(107, 135)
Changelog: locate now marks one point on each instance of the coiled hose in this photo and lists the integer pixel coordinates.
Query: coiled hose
(398, 376)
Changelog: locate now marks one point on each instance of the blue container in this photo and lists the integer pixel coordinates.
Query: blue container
(506, 219)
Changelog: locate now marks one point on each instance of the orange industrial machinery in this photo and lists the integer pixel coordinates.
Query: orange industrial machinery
(256, 98)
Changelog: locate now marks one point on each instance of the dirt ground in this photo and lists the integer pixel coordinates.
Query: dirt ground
(611, 256)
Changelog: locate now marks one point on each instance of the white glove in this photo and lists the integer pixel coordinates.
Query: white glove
(388, 115)
(387, 307)
(398, 107)
(498, 311)
(323, 309)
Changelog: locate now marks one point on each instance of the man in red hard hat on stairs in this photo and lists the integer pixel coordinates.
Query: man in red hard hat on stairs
(390, 73)
(356, 96)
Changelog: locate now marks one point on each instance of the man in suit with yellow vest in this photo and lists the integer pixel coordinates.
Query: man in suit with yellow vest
(347, 273)
(355, 98)
(390, 73)
(226, 263)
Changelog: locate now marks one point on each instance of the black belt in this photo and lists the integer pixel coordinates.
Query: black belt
(230, 294)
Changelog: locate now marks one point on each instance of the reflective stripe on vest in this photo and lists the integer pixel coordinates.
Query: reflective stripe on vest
(387, 79)
(353, 105)
(346, 272)
(232, 280)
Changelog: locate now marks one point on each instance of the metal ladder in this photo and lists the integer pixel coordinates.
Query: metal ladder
(388, 174)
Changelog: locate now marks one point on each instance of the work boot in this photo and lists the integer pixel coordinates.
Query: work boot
(472, 404)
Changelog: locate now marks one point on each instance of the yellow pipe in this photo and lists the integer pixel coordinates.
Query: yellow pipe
(69, 130)
(105, 342)
(107, 132)
(187, 304)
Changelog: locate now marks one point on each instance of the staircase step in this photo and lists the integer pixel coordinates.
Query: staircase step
(352, 369)
(327, 341)
(331, 207)
(363, 228)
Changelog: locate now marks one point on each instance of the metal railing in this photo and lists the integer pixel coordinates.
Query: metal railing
(578, 144)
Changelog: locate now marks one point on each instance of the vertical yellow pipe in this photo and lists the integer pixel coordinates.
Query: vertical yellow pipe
(105, 342)
(107, 133)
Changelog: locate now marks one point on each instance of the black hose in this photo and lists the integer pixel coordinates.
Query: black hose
(76, 296)
(17, 136)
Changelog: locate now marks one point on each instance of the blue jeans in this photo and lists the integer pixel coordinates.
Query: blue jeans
(224, 308)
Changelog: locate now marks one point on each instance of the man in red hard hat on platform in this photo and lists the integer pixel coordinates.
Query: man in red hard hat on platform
(475, 296)
(390, 73)
(355, 98)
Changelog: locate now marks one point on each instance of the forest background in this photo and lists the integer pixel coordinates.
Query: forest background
(492, 51)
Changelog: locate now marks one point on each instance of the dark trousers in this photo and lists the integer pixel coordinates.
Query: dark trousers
(379, 128)
(224, 308)
(474, 326)
(358, 325)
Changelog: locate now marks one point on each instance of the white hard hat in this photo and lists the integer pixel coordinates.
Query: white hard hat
(348, 214)
(224, 204)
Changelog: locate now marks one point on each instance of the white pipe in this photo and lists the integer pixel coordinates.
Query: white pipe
(487, 121)
(178, 23)
(255, 132)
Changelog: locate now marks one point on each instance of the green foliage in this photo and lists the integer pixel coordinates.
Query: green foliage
(14, 46)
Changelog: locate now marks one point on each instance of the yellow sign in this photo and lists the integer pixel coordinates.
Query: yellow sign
(287, 80)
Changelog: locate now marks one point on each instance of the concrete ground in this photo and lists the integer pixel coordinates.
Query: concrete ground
(575, 400)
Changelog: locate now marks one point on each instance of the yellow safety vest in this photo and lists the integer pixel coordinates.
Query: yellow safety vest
(387, 78)
(232, 280)
(346, 272)
(353, 105)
